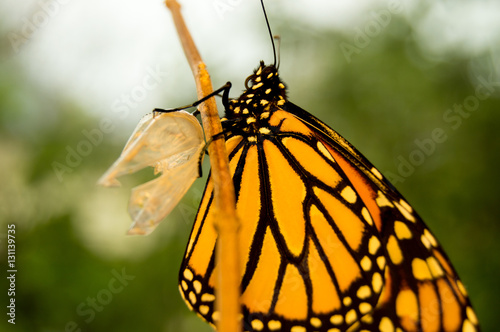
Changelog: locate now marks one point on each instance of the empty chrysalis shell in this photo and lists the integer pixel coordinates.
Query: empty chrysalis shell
(173, 144)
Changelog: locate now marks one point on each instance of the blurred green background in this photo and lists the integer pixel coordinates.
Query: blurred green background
(76, 77)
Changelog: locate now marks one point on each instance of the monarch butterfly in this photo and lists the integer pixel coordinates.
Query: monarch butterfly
(326, 242)
(173, 144)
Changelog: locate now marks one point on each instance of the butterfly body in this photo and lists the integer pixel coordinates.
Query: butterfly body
(326, 243)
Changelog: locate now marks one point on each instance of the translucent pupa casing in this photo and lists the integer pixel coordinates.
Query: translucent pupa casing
(173, 144)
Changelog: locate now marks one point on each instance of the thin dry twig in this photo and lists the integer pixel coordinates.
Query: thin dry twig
(227, 223)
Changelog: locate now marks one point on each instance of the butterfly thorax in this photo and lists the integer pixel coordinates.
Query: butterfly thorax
(249, 114)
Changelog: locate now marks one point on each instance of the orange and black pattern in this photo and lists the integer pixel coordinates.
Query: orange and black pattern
(326, 242)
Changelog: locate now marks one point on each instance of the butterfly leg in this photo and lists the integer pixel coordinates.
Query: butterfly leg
(225, 100)
(205, 150)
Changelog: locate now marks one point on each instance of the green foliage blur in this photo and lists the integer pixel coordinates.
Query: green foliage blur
(78, 270)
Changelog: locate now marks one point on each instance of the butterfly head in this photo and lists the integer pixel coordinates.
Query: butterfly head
(265, 92)
(263, 78)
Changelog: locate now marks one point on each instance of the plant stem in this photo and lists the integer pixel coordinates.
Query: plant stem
(227, 224)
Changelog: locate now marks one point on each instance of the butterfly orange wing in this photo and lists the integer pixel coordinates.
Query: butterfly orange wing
(326, 243)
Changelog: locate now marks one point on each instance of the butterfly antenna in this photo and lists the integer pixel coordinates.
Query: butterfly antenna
(277, 38)
(269, 29)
